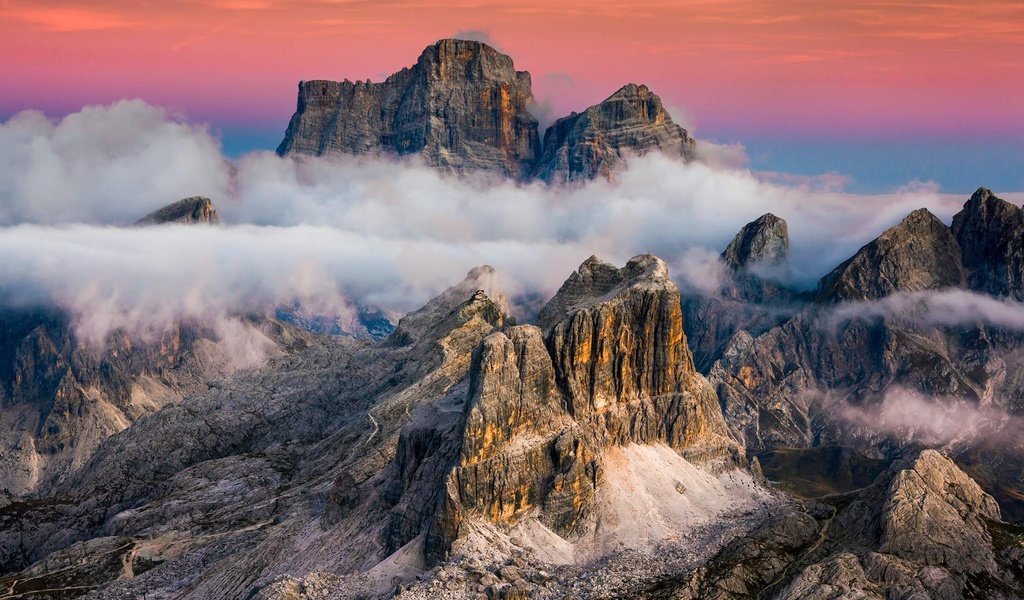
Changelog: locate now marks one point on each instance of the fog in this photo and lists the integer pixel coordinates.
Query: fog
(377, 230)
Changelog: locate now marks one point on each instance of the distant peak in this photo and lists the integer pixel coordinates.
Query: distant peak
(194, 210)
(982, 194)
(763, 241)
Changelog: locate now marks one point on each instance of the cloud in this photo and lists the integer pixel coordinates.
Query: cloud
(942, 308)
(908, 415)
(333, 231)
(103, 164)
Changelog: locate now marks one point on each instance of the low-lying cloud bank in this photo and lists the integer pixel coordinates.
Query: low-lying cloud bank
(378, 230)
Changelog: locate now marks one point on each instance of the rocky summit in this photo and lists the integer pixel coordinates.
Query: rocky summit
(632, 121)
(464, 108)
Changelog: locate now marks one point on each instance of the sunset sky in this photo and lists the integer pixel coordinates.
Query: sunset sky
(887, 92)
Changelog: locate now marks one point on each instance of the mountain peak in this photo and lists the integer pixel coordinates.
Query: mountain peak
(592, 143)
(596, 279)
(462, 107)
(991, 232)
(194, 210)
(477, 289)
(920, 253)
(764, 241)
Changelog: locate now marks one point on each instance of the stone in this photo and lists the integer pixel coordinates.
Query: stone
(762, 242)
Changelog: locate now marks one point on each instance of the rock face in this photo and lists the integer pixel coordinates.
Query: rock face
(592, 143)
(991, 234)
(462, 106)
(918, 254)
(762, 242)
(954, 531)
(195, 210)
(612, 369)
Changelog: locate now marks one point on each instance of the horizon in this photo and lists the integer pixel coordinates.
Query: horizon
(905, 111)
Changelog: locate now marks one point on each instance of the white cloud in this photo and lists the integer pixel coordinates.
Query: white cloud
(382, 231)
(944, 308)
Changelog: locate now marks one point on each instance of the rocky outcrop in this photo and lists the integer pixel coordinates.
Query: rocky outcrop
(991, 234)
(922, 529)
(592, 143)
(612, 369)
(918, 254)
(934, 514)
(462, 107)
(190, 211)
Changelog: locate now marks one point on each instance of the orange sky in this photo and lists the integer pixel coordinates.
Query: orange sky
(800, 66)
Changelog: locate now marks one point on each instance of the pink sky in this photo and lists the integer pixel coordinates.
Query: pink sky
(852, 68)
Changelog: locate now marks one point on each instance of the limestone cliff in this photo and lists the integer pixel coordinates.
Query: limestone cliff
(462, 107)
(613, 369)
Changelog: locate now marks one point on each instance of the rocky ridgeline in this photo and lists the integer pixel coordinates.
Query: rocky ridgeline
(463, 107)
(836, 367)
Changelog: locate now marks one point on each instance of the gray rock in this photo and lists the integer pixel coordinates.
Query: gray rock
(918, 254)
(592, 143)
(991, 233)
(462, 107)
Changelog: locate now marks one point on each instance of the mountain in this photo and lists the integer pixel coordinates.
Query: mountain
(501, 453)
(462, 107)
(990, 232)
(762, 242)
(918, 254)
(592, 143)
(190, 211)
(61, 395)
(922, 529)
(466, 455)
(749, 297)
(865, 363)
